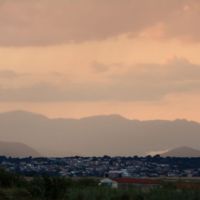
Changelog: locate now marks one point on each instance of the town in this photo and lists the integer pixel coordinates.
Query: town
(106, 166)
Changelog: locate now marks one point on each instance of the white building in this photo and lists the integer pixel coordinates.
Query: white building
(108, 183)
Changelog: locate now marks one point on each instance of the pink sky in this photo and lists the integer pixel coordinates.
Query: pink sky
(137, 58)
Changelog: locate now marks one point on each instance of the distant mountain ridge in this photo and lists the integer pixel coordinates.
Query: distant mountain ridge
(14, 149)
(182, 152)
(96, 135)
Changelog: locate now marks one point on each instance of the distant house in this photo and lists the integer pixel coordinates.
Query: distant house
(106, 182)
(117, 174)
(129, 183)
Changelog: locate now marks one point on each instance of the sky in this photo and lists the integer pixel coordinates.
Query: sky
(77, 58)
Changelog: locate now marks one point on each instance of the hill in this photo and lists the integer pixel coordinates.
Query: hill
(14, 149)
(97, 135)
(182, 152)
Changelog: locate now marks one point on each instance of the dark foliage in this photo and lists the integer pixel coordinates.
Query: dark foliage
(14, 187)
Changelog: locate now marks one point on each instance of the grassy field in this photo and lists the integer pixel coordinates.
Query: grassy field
(14, 187)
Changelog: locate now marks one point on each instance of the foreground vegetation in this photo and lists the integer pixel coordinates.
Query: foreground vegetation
(14, 187)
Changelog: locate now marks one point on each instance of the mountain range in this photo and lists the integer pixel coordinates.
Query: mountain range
(96, 135)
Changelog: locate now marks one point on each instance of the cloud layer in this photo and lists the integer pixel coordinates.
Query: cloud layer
(48, 22)
(141, 82)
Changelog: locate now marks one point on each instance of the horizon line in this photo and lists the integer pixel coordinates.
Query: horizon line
(96, 115)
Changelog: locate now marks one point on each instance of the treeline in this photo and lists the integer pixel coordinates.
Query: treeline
(14, 187)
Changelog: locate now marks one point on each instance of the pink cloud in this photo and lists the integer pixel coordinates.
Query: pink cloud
(49, 22)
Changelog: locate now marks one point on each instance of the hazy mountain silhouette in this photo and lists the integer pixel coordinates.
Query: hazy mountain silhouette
(14, 149)
(98, 135)
(182, 152)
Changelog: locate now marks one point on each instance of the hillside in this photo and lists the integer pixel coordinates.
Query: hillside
(14, 149)
(182, 152)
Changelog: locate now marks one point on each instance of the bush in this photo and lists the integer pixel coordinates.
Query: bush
(8, 179)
